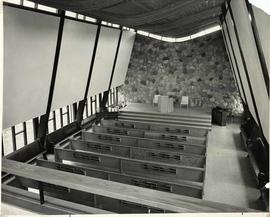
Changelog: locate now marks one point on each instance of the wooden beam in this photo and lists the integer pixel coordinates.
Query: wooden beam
(161, 200)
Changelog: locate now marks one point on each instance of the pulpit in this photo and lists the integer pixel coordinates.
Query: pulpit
(165, 104)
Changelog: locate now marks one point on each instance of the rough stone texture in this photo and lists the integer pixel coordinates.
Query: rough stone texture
(197, 68)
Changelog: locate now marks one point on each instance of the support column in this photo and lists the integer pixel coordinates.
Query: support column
(43, 126)
(106, 93)
(81, 106)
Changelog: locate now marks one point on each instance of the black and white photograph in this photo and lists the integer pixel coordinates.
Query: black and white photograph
(150, 107)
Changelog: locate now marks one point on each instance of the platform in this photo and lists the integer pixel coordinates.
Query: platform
(147, 107)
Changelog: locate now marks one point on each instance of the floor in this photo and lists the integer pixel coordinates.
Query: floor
(228, 178)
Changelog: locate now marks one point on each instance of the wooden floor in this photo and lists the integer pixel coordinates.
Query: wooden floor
(145, 161)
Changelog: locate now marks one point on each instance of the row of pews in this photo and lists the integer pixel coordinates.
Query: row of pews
(138, 163)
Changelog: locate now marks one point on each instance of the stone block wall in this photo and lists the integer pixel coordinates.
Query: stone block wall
(197, 68)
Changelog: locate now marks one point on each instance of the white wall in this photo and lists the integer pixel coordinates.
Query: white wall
(262, 20)
(233, 62)
(123, 58)
(29, 49)
(240, 66)
(247, 43)
(105, 54)
(74, 63)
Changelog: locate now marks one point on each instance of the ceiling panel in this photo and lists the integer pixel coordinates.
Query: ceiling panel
(143, 14)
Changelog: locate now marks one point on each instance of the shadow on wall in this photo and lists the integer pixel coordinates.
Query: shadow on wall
(198, 68)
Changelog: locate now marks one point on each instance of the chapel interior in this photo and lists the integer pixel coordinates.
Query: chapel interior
(123, 106)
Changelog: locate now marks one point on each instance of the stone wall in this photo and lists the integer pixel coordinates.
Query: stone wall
(197, 68)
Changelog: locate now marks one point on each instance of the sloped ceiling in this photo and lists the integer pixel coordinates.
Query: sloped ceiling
(169, 18)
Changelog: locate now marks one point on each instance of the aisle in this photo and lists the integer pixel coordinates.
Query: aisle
(229, 177)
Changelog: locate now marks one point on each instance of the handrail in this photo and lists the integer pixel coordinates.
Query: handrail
(152, 198)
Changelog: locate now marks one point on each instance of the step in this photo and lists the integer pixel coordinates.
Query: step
(179, 120)
(176, 115)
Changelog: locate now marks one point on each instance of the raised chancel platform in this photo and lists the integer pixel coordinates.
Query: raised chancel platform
(147, 107)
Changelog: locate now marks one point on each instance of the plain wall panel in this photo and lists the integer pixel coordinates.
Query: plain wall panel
(74, 62)
(232, 62)
(123, 58)
(262, 20)
(105, 55)
(247, 43)
(240, 66)
(29, 50)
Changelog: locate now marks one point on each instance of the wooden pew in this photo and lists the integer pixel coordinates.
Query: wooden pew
(142, 129)
(87, 199)
(52, 206)
(145, 143)
(169, 128)
(186, 188)
(119, 191)
(138, 153)
(149, 169)
(150, 134)
(165, 121)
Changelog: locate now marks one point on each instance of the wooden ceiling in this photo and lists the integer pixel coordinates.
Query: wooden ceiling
(170, 18)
